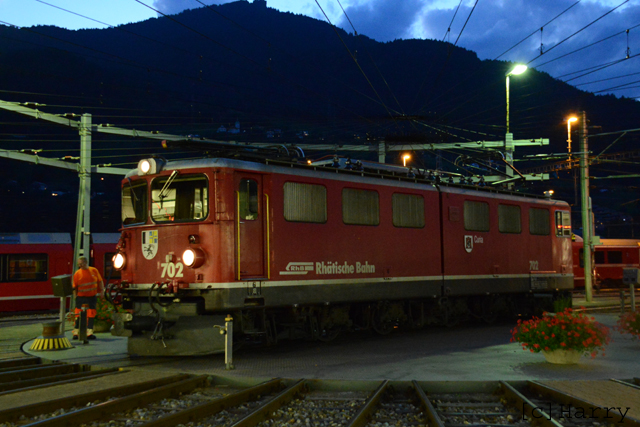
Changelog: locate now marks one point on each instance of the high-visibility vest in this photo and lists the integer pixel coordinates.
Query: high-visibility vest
(85, 282)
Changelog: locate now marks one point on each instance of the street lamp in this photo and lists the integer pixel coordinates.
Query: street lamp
(518, 69)
(405, 158)
(569, 121)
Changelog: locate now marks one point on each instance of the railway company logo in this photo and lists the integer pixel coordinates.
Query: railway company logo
(297, 268)
(468, 243)
(149, 244)
(301, 268)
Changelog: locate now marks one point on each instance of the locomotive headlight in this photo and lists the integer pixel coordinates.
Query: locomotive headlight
(119, 261)
(193, 257)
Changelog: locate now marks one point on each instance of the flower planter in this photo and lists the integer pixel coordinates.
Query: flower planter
(562, 357)
(101, 327)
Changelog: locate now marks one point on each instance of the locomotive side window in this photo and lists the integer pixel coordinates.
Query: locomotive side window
(305, 202)
(476, 216)
(179, 198)
(248, 192)
(563, 224)
(408, 210)
(539, 221)
(598, 257)
(360, 207)
(509, 219)
(614, 257)
(26, 268)
(134, 203)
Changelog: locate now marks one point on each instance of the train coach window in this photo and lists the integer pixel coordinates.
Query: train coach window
(26, 268)
(563, 224)
(179, 198)
(248, 192)
(360, 207)
(408, 210)
(476, 216)
(305, 202)
(598, 257)
(509, 219)
(539, 221)
(134, 203)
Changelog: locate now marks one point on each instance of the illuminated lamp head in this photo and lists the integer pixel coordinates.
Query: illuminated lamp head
(119, 261)
(193, 257)
(149, 166)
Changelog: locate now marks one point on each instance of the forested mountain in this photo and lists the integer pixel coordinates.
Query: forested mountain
(201, 69)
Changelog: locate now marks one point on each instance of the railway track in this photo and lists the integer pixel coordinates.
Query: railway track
(203, 401)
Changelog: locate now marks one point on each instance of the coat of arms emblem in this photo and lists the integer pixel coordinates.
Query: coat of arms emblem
(149, 244)
(468, 243)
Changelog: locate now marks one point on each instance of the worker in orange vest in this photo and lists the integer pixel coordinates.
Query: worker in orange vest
(87, 285)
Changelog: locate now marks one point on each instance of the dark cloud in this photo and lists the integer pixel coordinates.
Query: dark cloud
(382, 20)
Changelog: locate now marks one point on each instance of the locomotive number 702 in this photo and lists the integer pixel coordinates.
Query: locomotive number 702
(170, 269)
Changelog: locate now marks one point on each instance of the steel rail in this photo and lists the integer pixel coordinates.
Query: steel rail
(40, 371)
(13, 414)
(430, 411)
(23, 361)
(38, 364)
(576, 402)
(33, 384)
(526, 407)
(92, 413)
(208, 409)
(263, 412)
(626, 383)
(361, 418)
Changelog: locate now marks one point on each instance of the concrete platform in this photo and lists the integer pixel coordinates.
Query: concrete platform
(463, 353)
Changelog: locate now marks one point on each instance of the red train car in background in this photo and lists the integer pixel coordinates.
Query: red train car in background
(28, 261)
(610, 258)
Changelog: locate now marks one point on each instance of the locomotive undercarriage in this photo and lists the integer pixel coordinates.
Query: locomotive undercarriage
(181, 325)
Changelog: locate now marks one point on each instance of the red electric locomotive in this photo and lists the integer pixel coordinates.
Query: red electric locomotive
(28, 261)
(610, 258)
(298, 250)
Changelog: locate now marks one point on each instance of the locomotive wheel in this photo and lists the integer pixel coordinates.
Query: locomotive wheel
(328, 335)
(381, 320)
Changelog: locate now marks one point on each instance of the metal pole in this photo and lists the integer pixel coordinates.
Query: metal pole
(382, 152)
(586, 215)
(228, 343)
(507, 104)
(81, 247)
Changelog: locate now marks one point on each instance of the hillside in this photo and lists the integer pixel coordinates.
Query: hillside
(272, 70)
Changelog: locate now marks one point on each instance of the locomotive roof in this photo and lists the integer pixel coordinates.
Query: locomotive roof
(395, 176)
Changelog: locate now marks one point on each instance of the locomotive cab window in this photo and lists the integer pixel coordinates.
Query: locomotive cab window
(509, 219)
(248, 199)
(563, 224)
(305, 202)
(408, 210)
(476, 216)
(360, 207)
(134, 202)
(25, 268)
(539, 221)
(179, 198)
